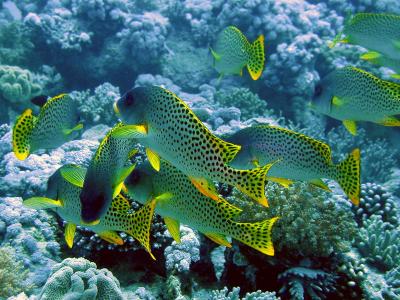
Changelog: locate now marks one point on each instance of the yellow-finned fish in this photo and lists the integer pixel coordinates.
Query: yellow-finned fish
(233, 52)
(57, 120)
(298, 157)
(378, 32)
(63, 198)
(178, 201)
(166, 126)
(104, 178)
(350, 94)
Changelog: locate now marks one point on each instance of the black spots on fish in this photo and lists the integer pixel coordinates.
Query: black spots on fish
(22, 134)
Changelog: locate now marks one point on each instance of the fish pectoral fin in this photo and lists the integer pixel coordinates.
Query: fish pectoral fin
(21, 134)
(215, 54)
(395, 76)
(73, 174)
(69, 233)
(130, 132)
(164, 197)
(173, 228)
(76, 128)
(319, 183)
(337, 101)
(206, 187)
(219, 239)
(390, 121)
(41, 203)
(118, 188)
(371, 55)
(112, 237)
(282, 181)
(350, 126)
(119, 183)
(153, 158)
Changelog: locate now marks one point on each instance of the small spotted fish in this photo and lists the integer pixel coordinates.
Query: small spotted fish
(104, 178)
(378, 59)
(178, 201)
(63, 198)
(299, 158)
(233, 51)
(55, 125)
(379, 33)
(166, 126)
(350, 94)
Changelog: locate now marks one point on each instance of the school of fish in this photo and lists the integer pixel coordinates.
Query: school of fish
(185, 159)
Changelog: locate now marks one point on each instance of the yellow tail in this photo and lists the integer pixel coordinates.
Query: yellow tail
(252, 183)
(255, 65)
(257, 235)
(348, 176)
(21, 134)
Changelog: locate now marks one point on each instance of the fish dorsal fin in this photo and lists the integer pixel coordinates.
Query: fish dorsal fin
(255, 65)
(228, 150)
(73, 174)
(120, 204)
(42, 203)
(112, 237)
(153, 158)
(218, 238)
(173, 228)
(69, 234)
(21, 134)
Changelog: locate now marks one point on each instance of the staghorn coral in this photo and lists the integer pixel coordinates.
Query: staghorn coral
(78, 278)
(375, 200)
(225, 294)
(393, 281)
(379, 243)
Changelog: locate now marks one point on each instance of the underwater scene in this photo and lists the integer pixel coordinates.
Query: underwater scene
(199, 149)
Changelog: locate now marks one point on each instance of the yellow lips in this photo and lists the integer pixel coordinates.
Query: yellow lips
(116, 110)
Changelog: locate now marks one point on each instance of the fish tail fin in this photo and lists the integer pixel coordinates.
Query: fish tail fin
(138, 225)
(257, 235)
(255, 65)
(252, 183)
(21, 134)
(348, 176)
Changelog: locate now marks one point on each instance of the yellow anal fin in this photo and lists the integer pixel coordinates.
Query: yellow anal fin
(21, 134)
(73, 174)
(370, 56)
(111, 237)
(153, 158)
(173, 228)
(130, 132)
(390, 121)
(42, 203)
(76, 128)
(255, 65)
(350, 126)
(69, 233)
(218, 238)
(282, 181)
(205, 187)
(215, 54)
(123, 174)
(319, 183)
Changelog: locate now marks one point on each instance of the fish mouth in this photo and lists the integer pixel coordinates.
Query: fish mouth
(116, 110)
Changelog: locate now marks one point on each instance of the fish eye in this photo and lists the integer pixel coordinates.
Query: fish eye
(318, 90)
(129, 99)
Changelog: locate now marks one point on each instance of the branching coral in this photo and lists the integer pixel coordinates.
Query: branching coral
(225, 294)
(78, 278)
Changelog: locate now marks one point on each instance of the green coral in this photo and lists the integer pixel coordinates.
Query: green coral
(17, 85)
(250, 104)
(310, 223)
(12, 274)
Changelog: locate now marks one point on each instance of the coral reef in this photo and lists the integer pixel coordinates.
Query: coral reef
(225, 294)
(78, 278)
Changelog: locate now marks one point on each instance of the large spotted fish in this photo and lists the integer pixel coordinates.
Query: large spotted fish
(350, 94)
(55, 125)
(63, 198)
(233, 52)
(178, 201)
(298, 157)
(166, 126)
(104, 178)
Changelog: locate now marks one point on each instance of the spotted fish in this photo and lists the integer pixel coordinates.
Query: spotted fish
(105, 175)
(178, 201)
(166, 126)
(381, 60)
(55, 125)
(375, 32)
(298, 157)
(233, 51)
(63, 198)
(350, 94)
